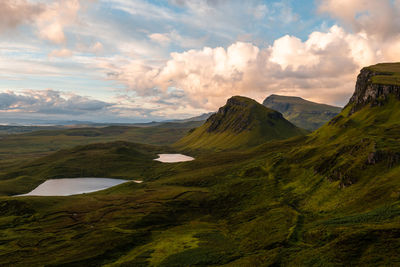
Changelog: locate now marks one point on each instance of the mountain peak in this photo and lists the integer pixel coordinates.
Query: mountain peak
(238, 115)
(375, 84)
(242, 122)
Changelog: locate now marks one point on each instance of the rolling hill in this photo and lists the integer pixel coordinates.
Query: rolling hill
(330, 198)
(303, 113)
(241, 123)
(15, 149)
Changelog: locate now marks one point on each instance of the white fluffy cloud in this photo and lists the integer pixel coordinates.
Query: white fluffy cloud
(325, 66)
(322, 68)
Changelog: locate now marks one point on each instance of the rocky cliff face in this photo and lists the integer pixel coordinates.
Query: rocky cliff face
(240, 124)
(370, 92)
(238, 115)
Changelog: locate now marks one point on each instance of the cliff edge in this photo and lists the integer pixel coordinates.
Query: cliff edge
(375, 84)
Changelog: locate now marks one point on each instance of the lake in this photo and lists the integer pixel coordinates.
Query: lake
(172, 158)
(74, 186)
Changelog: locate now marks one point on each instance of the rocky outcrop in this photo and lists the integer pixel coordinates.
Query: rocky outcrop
(369, 93)
(241, 123)
(238, 115)
(390, 158)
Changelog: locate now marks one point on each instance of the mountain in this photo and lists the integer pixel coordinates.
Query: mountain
(367, 132)
(242, 122)
(329, 198)
(303, 113)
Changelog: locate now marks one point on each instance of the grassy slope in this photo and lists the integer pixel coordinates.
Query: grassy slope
(303, 113)
(391, 71)
(243, 209)
(268, 205)
(7, 130)
(307, 201)
(116, 160)
(264, 125)
(15, 149)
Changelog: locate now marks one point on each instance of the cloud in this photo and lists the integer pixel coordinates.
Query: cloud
(377, 19)
(16, 12)
(49, 102)
(291, 51)
(55, 18)
(53, 32)
(260, 11)
(61, 53)
(50, 19)
(211, 3)
(160, 38)
(171, 62)
(322, 68)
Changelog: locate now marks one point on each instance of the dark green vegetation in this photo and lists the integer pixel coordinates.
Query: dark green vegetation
(115, 160)
(386, 73)
(15, 149)
(305, 114)
(6, 130)
(241, 123)
(331, 198)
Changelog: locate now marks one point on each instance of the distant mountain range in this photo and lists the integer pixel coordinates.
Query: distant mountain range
(303, 113)
(17, 125)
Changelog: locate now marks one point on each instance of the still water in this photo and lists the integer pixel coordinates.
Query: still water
(74, 186)
(172, 158)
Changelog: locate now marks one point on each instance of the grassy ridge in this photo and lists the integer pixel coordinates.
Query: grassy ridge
(389, 73)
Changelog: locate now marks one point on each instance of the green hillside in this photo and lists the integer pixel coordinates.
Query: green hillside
(331, 198)
(303, 113)
(241, 123)
(115, 160)
(386, 73)
(17, 148)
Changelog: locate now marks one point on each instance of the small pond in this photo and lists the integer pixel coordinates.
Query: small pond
(172, 158)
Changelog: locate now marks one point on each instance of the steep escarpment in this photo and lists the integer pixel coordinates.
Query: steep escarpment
(364, 137)
(241, 114)
(242, 122)
(375, 84)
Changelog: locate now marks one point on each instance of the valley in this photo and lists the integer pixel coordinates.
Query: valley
(256, 191)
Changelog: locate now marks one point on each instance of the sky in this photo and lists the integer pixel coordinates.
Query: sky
(145, 60)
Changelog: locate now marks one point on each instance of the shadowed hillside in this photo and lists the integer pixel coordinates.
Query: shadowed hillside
(241, 123)
(305, 114)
